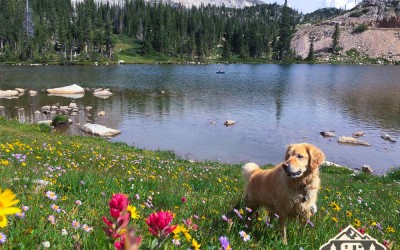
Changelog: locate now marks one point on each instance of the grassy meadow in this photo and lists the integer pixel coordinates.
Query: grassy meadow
(205, 197)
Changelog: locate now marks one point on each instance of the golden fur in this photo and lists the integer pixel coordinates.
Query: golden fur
(289, 189)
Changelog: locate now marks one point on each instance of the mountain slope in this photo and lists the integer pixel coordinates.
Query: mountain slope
(381, 39)
(197, 3)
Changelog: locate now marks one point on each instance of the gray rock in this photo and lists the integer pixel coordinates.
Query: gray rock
(388, 137)
(367, 169)
(327, 134)
(229, 123)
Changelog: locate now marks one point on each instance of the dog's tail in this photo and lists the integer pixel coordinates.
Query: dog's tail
(248, 169)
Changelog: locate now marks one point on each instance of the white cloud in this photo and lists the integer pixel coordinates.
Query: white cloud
(348, 4)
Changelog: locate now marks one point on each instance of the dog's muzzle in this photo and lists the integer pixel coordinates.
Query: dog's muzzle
(289, 172)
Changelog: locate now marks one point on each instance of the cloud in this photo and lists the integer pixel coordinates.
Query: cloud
(348, 4)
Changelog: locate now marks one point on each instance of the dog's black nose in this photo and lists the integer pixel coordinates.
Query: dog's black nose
(285, 166)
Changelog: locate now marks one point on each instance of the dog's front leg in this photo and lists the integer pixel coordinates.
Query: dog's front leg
(282, 222)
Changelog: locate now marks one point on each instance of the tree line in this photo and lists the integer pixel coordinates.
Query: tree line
(49, 30)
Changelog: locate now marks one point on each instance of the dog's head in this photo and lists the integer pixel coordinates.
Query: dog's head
(302, 158)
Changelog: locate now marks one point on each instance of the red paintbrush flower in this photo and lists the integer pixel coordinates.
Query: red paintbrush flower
(118, 203)
(159, 224)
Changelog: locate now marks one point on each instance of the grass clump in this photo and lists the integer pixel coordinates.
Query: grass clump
(206, 198)
(59, 120)
(360, 28)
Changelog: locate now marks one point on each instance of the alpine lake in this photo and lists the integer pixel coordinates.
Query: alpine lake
(183, 108)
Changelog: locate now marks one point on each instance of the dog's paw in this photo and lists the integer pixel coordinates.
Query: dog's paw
(313, 208)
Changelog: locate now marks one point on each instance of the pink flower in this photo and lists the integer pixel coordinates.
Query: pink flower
(183, 199)
(159, 224)
(118, 203)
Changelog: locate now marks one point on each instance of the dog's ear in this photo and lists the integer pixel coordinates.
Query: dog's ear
(317, 157)
(288, 152)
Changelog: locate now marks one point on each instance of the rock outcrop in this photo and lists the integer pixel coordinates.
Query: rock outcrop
(380, 40)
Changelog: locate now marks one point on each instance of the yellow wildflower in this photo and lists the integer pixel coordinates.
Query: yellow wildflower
(195, 245)
(133, 211)
(7, 200)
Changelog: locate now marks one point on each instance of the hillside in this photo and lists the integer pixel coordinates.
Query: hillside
(378, 37)
(197, 3)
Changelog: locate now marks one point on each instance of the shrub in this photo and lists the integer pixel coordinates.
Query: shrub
(360, 28)
(59, 120)
(356, 14)
(394, 174)
(44, 127)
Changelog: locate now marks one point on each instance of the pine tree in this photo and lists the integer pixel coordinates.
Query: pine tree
(335, 39)
(285, 35)
(311, 57)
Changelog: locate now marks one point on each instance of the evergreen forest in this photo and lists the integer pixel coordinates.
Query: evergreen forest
(62, 31)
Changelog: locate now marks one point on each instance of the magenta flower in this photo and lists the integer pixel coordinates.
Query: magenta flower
(159, 224)
(118, 204)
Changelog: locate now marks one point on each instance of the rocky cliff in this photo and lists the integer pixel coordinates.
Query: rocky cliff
(371, 30)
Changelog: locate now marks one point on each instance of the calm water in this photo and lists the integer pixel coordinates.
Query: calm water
(183, 107)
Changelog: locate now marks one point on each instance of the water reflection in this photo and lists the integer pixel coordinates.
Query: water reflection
(183, 107)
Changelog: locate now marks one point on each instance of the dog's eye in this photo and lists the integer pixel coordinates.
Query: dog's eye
(300, 156)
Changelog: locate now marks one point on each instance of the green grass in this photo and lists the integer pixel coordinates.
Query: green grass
(90, 169)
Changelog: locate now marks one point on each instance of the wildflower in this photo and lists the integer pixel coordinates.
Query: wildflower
(224, 217)
(51, 195)
(78, 202)
(244, 235)
(335, 219)
(55, 208)
(349, 214)
(390, 230)
(3, 238)
(87, 228)
(120, 219)
(225, 243)
(20, 215)
(64, 231)
(195, 245)
(183, 199)
(249, 209)
(76, 224)
(52, 219)
(176, 242)
(46, 244)
(25, 208)
(385, 243)
(277, 216)
(159, 223)
(361, 230)
(310, 223)
(335, 206)
(7, 200)
(357, 222)
(238, 213)
(118, 203)
(137, 196)
(133, 211)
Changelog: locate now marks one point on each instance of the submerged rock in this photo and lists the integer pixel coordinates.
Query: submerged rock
(102, 92)
(358, 134)
(351, 140)
(71, 89)
(99, 130)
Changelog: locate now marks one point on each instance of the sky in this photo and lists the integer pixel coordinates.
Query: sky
(307, 6)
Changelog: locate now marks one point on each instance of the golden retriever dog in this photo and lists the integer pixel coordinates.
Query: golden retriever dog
(288, 190)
